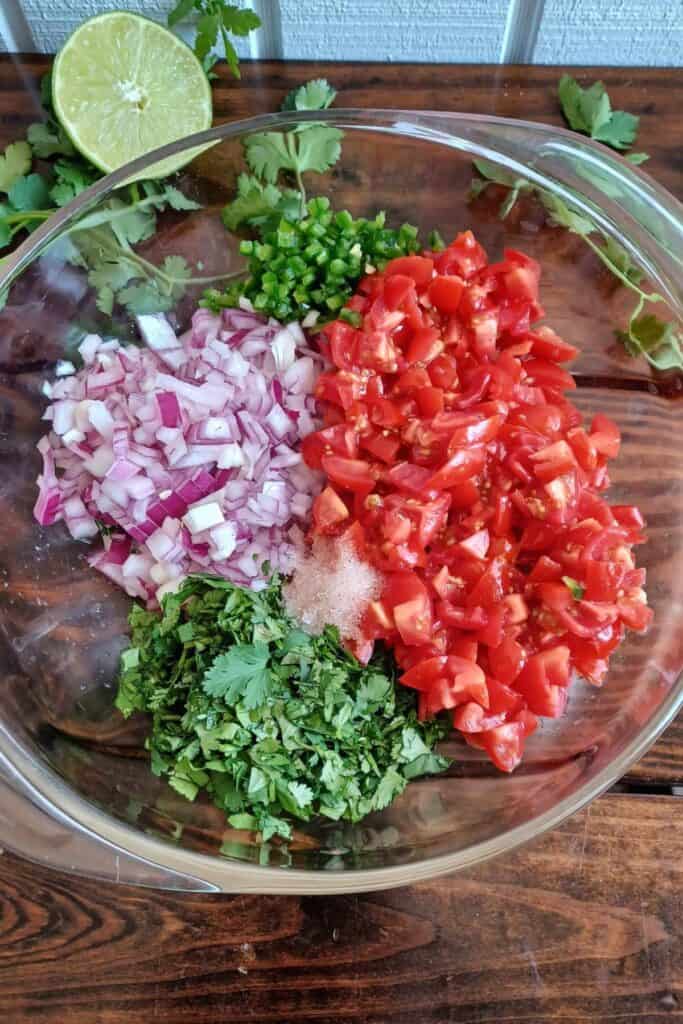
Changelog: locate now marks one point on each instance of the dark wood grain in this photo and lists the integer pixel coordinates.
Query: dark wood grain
(584, 925)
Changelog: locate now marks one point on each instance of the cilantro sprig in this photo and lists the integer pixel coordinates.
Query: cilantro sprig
(272, 723)
(216, 21)
(269, 155)
(103, 243)
(307, 258)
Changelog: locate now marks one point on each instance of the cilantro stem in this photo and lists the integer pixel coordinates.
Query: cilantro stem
(117, 252)
(645, 296)
(16, 218)
(290, 139)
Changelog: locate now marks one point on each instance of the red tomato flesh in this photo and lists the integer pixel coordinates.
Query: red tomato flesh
(469, 480)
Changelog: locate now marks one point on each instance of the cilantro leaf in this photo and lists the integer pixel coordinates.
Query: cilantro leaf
(29, 193)
(47, 138)
(239, 672)
(14, 164)
(257, 204)
(144, 298)
(589, 111)
(267, 153)
(216, 20)
(563, 216)
(317, 94)
(619, 131)
(494, 174)
(207, 34)
(182, 10)
(659, 342)
(239, 20)
(318, 149)
(177, 200)
(72, 179)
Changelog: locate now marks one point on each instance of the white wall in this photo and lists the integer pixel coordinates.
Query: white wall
(617, 32)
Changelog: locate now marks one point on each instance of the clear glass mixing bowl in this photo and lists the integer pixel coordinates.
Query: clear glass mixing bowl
(77, 791)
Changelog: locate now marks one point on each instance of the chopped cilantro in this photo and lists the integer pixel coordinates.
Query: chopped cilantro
(272, 723)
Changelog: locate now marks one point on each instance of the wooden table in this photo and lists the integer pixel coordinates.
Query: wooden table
(583, 925)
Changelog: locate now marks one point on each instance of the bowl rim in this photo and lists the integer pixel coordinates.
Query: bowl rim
(429, 125)
(49, 790)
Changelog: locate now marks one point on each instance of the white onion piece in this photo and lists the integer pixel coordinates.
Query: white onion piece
(188, 449)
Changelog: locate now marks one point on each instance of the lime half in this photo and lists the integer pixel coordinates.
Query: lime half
(123, 85)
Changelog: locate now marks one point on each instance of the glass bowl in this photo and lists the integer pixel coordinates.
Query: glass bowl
(77, 792)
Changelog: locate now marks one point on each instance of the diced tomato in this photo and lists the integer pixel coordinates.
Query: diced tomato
(383, 446)
(548, 375)
(338, 440)
(464, 255)
(548, 345)
(443, 372)
(397, 289)
(385, 413)
(411, 380)
(507, 660)
(445, 292)
(349, 474)
(505, 743)
(412, 479)
(423, 675)
(425, 345)
(476, 545)
(413, 620)
(605, 436)
(553, 461)
(467, 477)
(430, 401)
(462, 465)
(329, 511)
(418, 268)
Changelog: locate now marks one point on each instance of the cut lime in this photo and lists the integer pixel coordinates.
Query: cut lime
(123, 85)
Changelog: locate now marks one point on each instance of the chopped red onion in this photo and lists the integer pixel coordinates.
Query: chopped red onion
(187, 448)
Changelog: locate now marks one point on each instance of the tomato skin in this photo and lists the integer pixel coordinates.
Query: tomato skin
(605, 436)
(466, 477)
(349, 474)
(445, 292)
(424, 346)
(507, 660)
(398, 288)
(430, 401)
(462, 465)
(382, 447)
(412, 479)
(339, 439)
(418, 268)
(505, 743)
(548, 375)
(548, 345)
